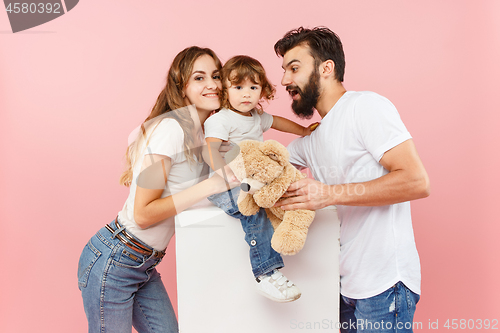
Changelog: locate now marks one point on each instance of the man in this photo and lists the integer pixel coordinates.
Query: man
(364, 161)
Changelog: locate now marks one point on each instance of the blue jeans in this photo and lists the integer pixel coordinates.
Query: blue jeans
(258, 233)
(390, 311)
(120, 288)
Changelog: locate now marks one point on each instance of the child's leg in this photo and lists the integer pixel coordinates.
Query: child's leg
(258, 234)
(264, 260)
(227, 201)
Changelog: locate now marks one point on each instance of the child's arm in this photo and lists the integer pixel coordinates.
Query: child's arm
(214, 159)
(286, 125)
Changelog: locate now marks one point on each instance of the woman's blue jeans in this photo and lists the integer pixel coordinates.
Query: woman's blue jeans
(390, 311)
(120, 288)
(258, 233)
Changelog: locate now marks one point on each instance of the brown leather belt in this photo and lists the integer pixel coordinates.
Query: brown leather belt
(130, 241)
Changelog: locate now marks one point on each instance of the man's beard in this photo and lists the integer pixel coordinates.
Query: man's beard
(304, 106)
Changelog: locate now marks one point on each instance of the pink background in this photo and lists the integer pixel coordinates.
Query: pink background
(72, 89)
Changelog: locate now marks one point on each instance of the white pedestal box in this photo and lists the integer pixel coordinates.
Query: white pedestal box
(216, 288)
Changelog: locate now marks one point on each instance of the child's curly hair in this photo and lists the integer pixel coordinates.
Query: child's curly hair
(242, 67)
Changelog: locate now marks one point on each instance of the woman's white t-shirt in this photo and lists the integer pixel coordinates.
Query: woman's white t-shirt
(167, 139)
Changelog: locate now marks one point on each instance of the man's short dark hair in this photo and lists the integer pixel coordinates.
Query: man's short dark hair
(323, 43)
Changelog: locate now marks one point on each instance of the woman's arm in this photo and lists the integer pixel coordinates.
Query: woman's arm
(286, 125)
(150, 208)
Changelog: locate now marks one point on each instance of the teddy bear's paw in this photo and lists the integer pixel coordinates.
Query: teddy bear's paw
(249, 211)
(288, 242)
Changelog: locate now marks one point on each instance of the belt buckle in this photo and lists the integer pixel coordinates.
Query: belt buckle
(157, 254)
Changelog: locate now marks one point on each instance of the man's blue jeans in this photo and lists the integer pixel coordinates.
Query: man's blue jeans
(390, 311)
(121, 287)
(258, 233)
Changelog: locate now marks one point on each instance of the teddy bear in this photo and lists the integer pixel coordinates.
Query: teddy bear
(265, 173)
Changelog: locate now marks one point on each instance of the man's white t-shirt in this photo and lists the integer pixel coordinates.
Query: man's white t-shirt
(228, 125)
(377, 246)
(167, 139)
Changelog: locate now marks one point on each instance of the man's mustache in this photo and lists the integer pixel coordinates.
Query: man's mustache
(292, 88)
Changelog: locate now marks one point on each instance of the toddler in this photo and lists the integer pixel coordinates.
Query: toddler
(241, 118)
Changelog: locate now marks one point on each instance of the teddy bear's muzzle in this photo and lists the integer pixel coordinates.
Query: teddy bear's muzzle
(250, 185)
(245, 187)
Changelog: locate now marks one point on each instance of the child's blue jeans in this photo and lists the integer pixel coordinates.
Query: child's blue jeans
(258, 232)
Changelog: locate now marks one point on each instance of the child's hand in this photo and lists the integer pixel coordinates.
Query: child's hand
(309, 129)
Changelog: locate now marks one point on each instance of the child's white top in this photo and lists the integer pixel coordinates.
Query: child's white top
(228, 125)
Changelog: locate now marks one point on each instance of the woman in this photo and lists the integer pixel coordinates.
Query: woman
(116, 272)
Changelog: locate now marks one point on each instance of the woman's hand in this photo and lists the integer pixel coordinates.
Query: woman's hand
(220, 184)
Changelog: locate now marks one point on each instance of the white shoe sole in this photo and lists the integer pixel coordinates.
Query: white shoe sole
(279, 300)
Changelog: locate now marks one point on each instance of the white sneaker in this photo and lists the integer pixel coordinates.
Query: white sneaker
(277, 287)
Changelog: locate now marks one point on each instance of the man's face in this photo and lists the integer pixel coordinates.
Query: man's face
(301, 78)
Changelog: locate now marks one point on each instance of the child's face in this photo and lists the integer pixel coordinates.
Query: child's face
(244, 96)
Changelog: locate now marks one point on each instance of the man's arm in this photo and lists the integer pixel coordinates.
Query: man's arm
(407, 180)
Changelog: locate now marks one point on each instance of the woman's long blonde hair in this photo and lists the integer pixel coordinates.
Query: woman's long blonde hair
(170, 98)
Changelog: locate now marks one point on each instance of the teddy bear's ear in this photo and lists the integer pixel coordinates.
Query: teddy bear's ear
(247, 145)
(275, 150)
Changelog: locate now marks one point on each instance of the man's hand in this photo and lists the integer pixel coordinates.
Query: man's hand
(306, 193)
(407, 180)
